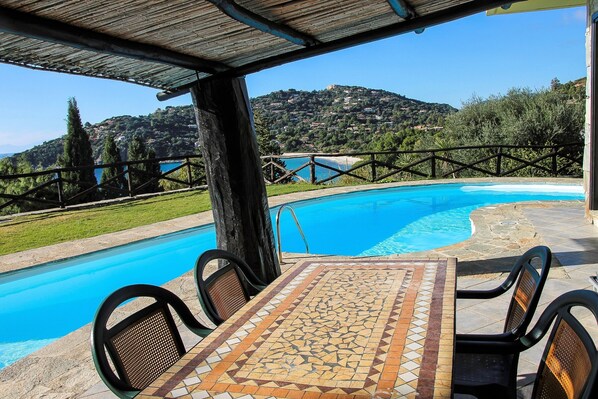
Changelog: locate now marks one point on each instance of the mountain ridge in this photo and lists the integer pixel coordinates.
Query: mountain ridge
(333, 119)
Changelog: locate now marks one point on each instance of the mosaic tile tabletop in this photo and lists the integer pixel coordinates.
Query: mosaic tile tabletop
(330, 330)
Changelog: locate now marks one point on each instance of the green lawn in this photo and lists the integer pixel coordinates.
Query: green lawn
(34, 231)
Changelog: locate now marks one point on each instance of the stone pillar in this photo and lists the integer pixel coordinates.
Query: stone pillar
(234, 173)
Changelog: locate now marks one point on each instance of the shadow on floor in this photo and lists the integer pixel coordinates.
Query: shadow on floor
(494, 265)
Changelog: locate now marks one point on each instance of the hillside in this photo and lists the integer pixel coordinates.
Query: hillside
(343, 117)
(335, 119)
(170, 131)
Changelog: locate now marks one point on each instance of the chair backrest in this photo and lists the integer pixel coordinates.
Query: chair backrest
(570, 361)
(226, 290)
(144, 344)
(527, 289)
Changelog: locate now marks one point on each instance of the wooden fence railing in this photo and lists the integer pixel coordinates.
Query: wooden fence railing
(49, 188)
(470, 161)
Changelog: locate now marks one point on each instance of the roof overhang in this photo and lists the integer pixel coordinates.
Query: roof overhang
(536, 5)
(170, 45)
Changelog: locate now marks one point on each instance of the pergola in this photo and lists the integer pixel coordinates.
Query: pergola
(206, 47)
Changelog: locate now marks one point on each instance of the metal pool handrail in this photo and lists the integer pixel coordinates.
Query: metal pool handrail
(290, 209)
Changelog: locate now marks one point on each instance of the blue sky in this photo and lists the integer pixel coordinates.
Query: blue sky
(449, 63)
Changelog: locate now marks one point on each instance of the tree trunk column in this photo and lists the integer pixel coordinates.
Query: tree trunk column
(234, 173)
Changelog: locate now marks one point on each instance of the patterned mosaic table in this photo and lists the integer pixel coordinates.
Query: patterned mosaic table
(330, 330)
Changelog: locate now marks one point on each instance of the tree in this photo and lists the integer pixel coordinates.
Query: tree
(111, 154)
(19, 186)
(267, 144)
(266, 140)
(153, 170)
(403, 140)
(77, 153)
(198, 175)
(521, 117)
(555, 83)
(142, 173)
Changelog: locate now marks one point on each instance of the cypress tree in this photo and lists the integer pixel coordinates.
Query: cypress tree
(77, 153)
(143, 172)
(153, 170)
(111, 154)
(267, 145)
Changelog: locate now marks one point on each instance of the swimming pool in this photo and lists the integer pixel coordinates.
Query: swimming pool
(42, 304)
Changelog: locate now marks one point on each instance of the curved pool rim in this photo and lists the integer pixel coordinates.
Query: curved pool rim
(39, 257)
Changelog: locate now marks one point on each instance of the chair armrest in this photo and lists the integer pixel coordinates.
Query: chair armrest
(254, 288)
(482, 294)
(502, 337)
(488, 347)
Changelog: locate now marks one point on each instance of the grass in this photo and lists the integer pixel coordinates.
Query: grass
(39, 230)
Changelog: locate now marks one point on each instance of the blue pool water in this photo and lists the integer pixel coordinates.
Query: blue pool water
(43, 304)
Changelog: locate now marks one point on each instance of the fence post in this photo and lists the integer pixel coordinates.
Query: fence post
(499, 162)
(373, 159)
(60, 191)
(433, 165)
(272, 176)
(312, 169)
(189, 176)
(555, 151)
(129, 183)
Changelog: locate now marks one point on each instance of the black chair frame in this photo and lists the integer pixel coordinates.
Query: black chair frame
(522, 263)
(250, 283)
(101, 336)
(559, 310)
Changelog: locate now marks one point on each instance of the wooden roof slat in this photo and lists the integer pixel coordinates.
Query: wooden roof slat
(27, 25)
(134, 71)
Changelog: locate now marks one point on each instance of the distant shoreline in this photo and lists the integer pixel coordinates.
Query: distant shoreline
(341, 160)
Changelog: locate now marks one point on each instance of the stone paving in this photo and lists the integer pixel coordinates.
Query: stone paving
(64, 369)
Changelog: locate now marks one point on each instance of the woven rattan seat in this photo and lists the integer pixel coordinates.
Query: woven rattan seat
(486, 374)
(143, 345)
(228, 289)
(569, 364)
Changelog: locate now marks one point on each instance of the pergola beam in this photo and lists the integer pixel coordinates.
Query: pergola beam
(410, 25)
(35, 27)
(258, 22)
(402, 9)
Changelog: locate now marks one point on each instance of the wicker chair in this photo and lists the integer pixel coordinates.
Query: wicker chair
(569, 365)
(143, 345)
(476, 372)
(225, 291)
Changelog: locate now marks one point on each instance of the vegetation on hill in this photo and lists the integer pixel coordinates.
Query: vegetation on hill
(340, 118)
(521, 117)
(343, 118)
